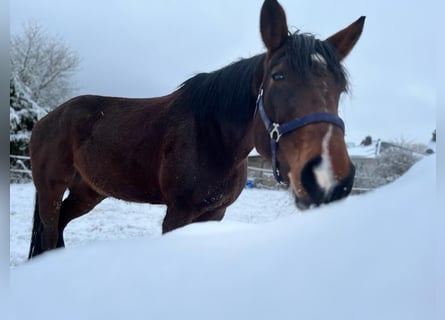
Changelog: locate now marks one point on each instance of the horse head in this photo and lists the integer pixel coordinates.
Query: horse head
(297, 124)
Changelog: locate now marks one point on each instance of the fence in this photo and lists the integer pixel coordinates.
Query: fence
(261, 178)
(20, 168)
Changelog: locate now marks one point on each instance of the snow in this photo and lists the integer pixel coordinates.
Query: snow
(254, 153)
(368, 257)
(114, 219)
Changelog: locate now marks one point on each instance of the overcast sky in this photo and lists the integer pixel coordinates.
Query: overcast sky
(138, 48)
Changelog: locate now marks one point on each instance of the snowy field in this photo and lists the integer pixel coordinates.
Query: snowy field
(114, 219)
(368, 257)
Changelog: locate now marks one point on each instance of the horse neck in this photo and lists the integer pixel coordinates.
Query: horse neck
(237, 136)
(224, 104)
(237, 140)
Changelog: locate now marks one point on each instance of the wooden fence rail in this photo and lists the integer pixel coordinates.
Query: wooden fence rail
(20, 167)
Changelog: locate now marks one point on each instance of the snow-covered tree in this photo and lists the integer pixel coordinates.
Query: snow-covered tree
(23, 113)
(44, 64)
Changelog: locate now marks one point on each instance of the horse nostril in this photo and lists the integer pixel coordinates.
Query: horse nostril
(321, 186)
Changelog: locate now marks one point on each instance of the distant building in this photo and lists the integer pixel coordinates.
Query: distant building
(431, 148)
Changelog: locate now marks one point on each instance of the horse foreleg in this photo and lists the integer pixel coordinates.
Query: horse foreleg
(212, 215)
(176, 217)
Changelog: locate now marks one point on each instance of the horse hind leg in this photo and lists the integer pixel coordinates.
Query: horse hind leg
(81, 199)
(46, 218)
(35, 247)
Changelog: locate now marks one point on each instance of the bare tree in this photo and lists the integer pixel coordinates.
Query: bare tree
(45, 64)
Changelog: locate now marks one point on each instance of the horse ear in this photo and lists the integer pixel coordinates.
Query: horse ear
(344, 40)
(273, 25)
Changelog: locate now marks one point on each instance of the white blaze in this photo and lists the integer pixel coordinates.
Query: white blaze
(323, 172)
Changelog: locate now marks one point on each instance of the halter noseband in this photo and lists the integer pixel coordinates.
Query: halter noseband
(276, 131)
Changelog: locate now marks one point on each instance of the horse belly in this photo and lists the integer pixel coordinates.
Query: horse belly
(115, 179)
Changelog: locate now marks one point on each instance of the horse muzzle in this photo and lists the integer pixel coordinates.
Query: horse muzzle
(317, 189)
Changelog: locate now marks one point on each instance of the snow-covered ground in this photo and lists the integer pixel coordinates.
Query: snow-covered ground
(369, 257)
(114, 219)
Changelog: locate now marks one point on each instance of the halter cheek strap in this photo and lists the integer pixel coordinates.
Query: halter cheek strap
(276, 131)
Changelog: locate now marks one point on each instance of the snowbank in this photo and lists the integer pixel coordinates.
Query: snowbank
(368, 257)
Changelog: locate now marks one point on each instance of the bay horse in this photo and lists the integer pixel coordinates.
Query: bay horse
(188, 150)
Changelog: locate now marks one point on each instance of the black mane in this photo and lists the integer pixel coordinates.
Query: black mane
(225, 94)
(300, 47)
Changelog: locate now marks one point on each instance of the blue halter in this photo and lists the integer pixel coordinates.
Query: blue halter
(276, 131)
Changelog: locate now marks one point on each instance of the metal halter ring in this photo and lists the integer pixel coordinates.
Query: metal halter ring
(275, 132)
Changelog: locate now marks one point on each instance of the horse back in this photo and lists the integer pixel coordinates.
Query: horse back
(113, 143)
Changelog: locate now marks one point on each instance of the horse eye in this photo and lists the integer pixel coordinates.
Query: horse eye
(277, 76)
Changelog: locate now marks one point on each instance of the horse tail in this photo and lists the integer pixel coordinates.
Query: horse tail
(35, 246)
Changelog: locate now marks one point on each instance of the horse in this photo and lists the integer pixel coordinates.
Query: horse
(188, 149)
